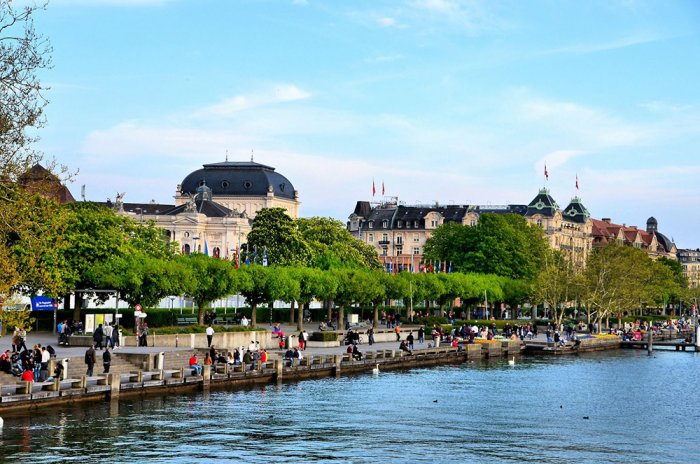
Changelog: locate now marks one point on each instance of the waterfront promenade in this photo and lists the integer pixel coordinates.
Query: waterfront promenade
(141, 370)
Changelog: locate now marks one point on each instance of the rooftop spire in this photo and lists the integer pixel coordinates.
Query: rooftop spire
(227, 155)
(251, 155)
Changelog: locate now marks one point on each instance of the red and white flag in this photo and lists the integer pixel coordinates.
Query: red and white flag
(546, 173)
(374, 190)
(382, 188)
(577, 182)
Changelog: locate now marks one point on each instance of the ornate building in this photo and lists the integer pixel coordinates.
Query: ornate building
(400, 231)
(214, 206)
(650, 240)
(690, 260)
(568, 230)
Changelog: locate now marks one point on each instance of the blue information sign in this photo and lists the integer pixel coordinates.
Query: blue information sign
(42, 303)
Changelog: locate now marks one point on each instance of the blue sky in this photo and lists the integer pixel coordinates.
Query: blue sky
(442, 100)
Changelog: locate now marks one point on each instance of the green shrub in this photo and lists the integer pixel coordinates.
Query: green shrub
(325, 336)
(195, 329)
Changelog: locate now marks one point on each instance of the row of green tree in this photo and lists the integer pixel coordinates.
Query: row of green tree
(614, 280)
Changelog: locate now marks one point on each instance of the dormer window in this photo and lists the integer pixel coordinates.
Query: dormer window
(398, 224)
(385, 224)
(370, 225)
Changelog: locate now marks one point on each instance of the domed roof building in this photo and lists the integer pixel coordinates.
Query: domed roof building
(215, 205)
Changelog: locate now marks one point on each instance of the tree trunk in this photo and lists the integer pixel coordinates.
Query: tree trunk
(200, 313)
(78, 306)
(254, 315)
(341, 315)
(375, 323)
(442, 309)
(291, 312)
(300, 315)
(330, 311)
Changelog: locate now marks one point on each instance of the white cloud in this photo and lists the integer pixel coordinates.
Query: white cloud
(388, 21)
(281, 93)
(383, 58)
(556, 159)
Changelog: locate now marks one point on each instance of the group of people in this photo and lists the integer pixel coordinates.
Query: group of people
(107, 336)
(29, 365)
(91, 359)
(66, 329)
(253, 356)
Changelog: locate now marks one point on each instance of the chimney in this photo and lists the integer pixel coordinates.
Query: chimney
(606, 220)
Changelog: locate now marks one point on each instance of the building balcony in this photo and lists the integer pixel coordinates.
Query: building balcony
(384, 242)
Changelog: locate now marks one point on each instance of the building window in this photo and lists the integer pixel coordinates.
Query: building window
(385, 237)
(473, 222)
(384, 251)
(399, 250)
(433, 223)
(370, 225)
(416, 250)
(370, 238)
(385, 224)
(539, 223)
(399, 240)
(399, 224)
(416, 238)
(416, 224)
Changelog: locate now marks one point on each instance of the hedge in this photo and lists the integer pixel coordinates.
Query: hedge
(195, 329)
(325, 336)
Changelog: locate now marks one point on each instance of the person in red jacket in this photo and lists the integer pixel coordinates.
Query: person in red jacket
(28, 376)
(195, 365)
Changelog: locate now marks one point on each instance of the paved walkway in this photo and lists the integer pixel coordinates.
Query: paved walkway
(46, 338)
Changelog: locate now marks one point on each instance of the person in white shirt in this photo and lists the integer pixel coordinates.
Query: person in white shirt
(244, 321)
(108, 331)
(210, 335)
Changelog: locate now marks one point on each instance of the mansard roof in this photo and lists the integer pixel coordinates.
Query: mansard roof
(542, 204)
(576, 212)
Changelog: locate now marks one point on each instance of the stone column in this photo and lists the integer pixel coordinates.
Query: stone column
(279, 369)
(337, 359)
(114, 381)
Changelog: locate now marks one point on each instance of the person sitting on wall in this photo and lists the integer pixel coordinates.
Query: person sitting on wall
(195, 365)
(404, 347)
(356, 354)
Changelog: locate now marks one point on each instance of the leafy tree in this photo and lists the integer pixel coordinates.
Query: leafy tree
(143, 279)
(211, 279)
(39, 248)
(23, 52)
(333, 246)
(276, 232)
(555, 284)
(500, 244)
(614, 279)
(257, 287)
(96, 234)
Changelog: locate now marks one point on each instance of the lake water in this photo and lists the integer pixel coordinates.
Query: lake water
(639, 409)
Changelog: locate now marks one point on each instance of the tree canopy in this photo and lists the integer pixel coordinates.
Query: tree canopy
(501, 244)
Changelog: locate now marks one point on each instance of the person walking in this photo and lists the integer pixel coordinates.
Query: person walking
(109, 331)
(397, 329)
(98, 336)
(90, 360)
(410, 339)
(210, 335)
(143, 337)
(370, 336)
(106, 359)
(421, 335)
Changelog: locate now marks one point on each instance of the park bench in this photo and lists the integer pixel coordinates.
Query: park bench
(186, 320)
